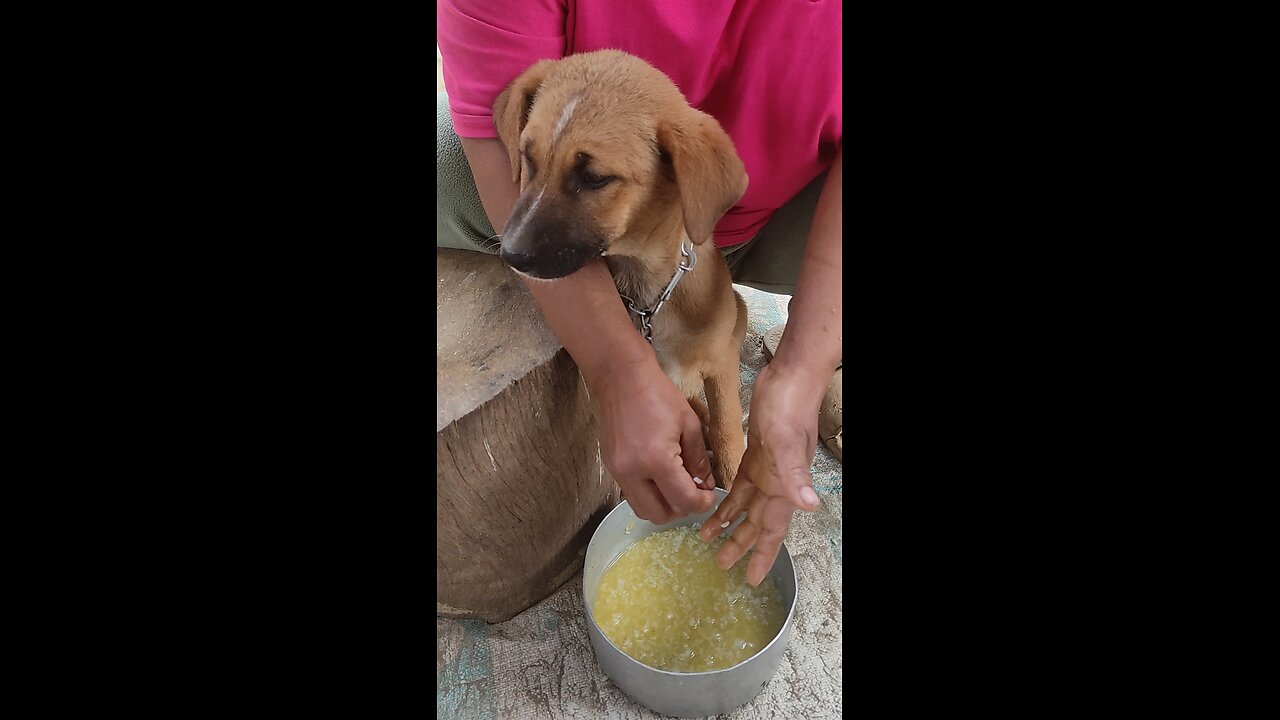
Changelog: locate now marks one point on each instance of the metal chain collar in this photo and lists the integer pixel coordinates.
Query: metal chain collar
(646, 316)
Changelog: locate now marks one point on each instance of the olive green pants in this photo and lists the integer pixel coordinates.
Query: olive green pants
(770, 261)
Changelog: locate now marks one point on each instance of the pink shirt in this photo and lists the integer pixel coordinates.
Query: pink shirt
(768, 70)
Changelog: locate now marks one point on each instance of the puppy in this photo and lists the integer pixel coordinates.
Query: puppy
(612, 161)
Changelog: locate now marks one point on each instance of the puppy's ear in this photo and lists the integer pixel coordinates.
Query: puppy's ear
(511, 110)
(708, 171)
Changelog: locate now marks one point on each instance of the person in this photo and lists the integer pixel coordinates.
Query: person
(770, 72)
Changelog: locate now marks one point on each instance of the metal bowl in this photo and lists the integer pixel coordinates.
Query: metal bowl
(676, 693)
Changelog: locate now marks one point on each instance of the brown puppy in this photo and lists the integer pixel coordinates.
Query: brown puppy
(611, 160)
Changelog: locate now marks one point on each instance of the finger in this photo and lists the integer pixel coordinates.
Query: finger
(726, 514)
(730, 508)
(647, 503)
(693, 451)
(741, 541)
(680, 494)
(776, 520)
(797, 480)
(746, 535)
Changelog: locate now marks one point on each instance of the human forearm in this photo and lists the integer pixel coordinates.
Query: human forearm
(582, 309)
(812, 342)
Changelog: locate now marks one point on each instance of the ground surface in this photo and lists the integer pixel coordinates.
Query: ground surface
(540, 663)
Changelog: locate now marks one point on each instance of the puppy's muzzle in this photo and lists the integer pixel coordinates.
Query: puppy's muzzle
(547, 244)
(519, 261)
(552, 263)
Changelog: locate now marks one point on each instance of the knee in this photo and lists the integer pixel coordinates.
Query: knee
(452, 170)
(460, 218)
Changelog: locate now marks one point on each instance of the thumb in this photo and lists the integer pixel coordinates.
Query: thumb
(693, 452)
(794, 473)
(802, 493)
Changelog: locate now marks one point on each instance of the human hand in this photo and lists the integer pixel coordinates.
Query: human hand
(773, 479)
(651, 441)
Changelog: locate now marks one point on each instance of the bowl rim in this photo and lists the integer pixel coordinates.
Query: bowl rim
(786, 625)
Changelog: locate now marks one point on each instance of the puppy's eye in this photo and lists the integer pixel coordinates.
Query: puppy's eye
(594, 181)
(528, 163)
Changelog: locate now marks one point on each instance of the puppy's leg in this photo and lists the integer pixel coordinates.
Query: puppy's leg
(700, 409)
(704, 417)
(726, 435)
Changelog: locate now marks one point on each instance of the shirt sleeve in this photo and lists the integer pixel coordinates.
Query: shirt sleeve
(485, 44)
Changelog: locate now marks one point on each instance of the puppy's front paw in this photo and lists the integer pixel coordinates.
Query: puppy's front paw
(724, 472)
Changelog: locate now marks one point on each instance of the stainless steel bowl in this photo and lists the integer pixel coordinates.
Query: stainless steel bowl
(674, 693)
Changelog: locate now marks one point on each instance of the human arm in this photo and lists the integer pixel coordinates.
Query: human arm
(782, 429)
(650, 438)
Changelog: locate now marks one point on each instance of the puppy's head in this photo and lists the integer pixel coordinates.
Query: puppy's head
(609, 158)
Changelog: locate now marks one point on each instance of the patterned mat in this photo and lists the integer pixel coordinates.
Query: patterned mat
(540, 663)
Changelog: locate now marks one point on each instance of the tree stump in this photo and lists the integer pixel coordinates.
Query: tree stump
(519, 482)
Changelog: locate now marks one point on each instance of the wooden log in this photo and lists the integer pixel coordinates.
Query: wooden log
(519, 482)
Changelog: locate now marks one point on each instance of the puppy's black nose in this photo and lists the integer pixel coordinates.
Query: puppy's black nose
(517, 260)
